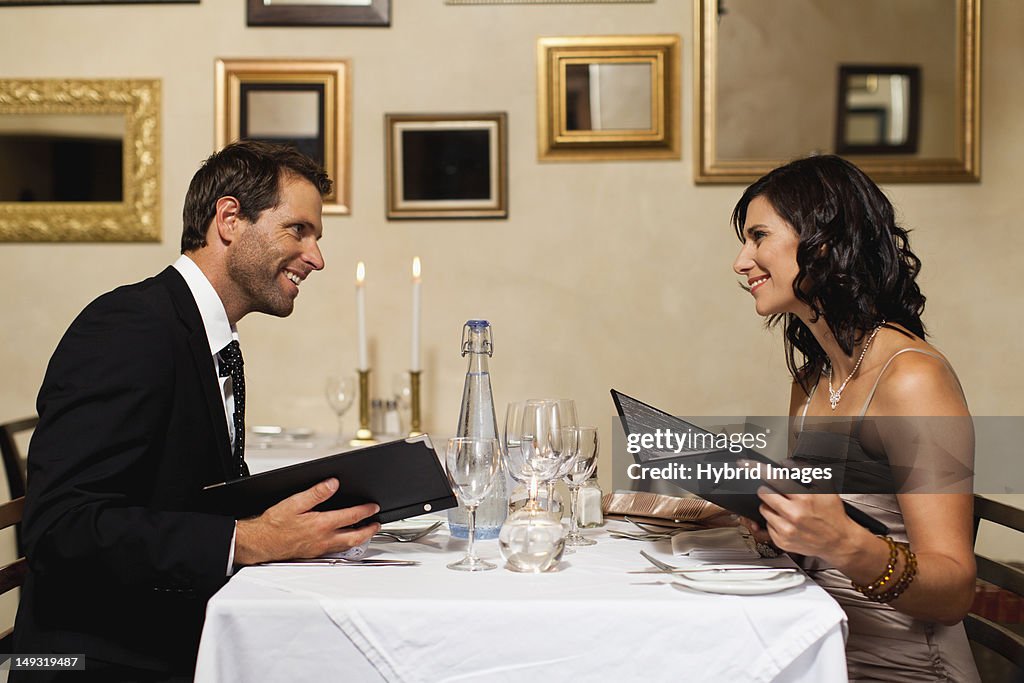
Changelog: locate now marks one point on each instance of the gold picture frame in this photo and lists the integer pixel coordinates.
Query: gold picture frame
(134, 214)
(306, 103)
(608, 97)
(446, 165)
(724, 135)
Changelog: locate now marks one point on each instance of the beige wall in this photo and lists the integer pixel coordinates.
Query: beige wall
(606, 274)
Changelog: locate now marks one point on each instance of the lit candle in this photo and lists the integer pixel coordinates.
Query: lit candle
(415, 367)
(361, 315)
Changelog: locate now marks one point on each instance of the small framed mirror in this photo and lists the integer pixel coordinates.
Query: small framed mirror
(878, 110)
(302, 103)
(608, 97)
(79, 160)
(767, 92)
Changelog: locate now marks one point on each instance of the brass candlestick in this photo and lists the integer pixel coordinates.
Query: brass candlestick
(364, 435)
(414, 400)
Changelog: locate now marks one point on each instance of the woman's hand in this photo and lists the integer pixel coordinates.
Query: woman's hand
(807, 523)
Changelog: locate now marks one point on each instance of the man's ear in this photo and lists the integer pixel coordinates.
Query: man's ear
(227, 219)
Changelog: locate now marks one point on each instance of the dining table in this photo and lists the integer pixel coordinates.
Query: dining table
(603, 613)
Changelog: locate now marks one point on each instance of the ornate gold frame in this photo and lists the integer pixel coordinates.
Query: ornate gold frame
(558, 143)
(333, 76)
(134, 219)
(964, 167)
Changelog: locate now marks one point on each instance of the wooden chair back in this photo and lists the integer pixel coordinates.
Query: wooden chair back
(13, 574)
(980, 629)
(14, 462)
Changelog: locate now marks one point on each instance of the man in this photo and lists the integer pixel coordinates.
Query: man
(141, 407)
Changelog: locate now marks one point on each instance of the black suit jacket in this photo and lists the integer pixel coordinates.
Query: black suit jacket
(131, 427)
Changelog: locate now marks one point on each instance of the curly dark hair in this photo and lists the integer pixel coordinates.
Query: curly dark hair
(250, 171)
(856, 267)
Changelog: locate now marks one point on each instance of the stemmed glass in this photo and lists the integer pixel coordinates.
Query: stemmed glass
(540, 446)
(341, 392)
(568, 420)
(472, 464)
(583, 465)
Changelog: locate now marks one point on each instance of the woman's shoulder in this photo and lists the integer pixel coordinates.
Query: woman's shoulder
(915, 378)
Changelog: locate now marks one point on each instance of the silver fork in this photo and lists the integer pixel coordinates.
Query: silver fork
(409, 537)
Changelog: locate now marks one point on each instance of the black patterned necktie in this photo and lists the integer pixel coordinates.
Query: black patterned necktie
(231, 366)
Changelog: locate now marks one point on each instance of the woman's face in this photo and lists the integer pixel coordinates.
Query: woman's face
(768, 260)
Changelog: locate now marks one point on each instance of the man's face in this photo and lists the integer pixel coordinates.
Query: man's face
(271, 257)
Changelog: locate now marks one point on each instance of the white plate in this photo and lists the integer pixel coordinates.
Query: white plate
(749, 587)
(733, 572)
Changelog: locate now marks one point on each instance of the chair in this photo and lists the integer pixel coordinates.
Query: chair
(14, 463)
(980, 629)
(12, 575)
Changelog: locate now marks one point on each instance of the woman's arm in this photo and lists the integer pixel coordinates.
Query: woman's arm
(939, 524)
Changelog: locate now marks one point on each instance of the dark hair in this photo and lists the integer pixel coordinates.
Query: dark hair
(249, 171)
(855, 264)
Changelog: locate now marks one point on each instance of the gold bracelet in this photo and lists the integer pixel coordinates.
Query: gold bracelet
(890, 568)
(906, 577)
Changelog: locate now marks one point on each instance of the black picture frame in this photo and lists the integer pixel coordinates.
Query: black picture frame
(446, 165)
(847, 113)
(377, 13)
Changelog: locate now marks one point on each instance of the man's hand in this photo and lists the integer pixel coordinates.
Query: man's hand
(291, 529)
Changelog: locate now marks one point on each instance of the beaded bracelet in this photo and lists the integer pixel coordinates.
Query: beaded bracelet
(906, 577)
(890, 568)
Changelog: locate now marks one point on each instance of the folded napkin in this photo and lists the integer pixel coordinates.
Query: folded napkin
(726, 543)
(658, 509)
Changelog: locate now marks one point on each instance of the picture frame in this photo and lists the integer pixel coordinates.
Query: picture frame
(82, 128)
(446, 165)
(318, 13)
(305, 103)
(608, 98)
(878, 109)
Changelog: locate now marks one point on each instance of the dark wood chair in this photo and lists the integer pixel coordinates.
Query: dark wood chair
(11, 575)
(980, 629)
(14, 463)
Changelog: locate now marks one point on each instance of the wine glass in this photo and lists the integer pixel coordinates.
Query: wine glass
(401, 387)
(518, 467)
(541, 444)
(472, 465)
(341, 392)
(568, 420)
(583, 465)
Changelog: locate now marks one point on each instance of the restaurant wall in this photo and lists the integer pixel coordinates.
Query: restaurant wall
(609, 274)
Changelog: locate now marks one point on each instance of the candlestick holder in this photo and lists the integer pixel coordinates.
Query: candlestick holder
(414, 401)
(364, 436)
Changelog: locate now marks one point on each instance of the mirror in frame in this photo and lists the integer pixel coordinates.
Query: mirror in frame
(303, 103)
(608, 97)
(79, 160)
(878, 110)
(766, 87)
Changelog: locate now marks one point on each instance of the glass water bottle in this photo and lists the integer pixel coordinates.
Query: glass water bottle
(477, 419)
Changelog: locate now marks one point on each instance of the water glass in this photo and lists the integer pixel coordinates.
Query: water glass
(472, 464)
(531, 541)
(584, 464)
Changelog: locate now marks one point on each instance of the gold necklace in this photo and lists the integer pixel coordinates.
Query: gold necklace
(835, 394)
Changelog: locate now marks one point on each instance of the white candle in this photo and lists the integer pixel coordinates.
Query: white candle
(415, 366)
(361, 315)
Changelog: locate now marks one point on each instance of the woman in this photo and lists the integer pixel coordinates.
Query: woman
(823, 256)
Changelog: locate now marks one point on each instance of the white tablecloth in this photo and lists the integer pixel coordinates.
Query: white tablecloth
(590, 620)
